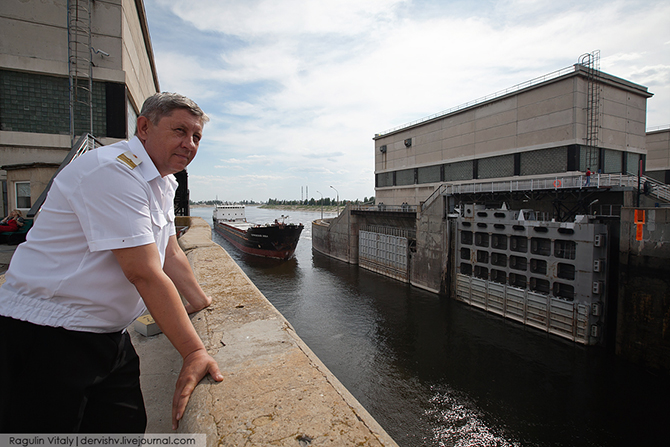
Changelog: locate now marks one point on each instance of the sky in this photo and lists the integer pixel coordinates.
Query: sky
(297, 89)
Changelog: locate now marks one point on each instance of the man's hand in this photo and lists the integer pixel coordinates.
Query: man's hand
(142, 267)
(196, 366)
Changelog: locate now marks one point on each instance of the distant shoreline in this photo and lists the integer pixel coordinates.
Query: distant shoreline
(306, 208)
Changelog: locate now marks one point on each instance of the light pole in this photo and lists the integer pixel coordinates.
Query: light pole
(321, 205)
(337, 201)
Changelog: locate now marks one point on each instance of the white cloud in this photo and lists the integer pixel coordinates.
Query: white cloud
(296, 89)
(252, 19)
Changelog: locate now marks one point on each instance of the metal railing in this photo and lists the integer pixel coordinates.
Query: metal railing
(658, 189)
(439, 191)
(84, 144)
(568, 181)
(383, 207)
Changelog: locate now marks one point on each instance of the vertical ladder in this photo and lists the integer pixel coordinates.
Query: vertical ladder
(591, 61)
(80, 67)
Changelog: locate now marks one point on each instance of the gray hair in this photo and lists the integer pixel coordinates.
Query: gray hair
(163, 104)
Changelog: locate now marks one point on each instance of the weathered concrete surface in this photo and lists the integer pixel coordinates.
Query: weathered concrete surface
(428, 268)
(275, 390)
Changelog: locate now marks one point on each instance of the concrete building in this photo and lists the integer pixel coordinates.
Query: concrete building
(658, 154)
(564, 122)
(48, 50)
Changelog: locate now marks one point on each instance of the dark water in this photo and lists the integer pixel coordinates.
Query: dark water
(435, 372)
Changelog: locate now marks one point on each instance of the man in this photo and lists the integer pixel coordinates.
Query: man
(102, 248)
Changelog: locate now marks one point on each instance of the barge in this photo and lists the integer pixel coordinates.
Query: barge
(276, 240)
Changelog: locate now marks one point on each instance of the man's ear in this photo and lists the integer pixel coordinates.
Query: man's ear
(143, 124)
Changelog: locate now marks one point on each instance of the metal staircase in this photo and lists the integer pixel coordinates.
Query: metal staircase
(657, 189)
(80, 67)
(591, 61)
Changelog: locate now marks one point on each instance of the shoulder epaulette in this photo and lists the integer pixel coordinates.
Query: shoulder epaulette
(129, 159)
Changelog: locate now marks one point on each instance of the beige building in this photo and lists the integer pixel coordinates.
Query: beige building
(568, 121)
(658, 154)
(44, 54)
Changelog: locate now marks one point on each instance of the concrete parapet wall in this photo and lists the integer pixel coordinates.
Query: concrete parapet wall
(643, 322)
(333, 237)
(275, 390)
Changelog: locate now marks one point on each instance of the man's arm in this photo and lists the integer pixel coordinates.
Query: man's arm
(142, 267)
(176, 266)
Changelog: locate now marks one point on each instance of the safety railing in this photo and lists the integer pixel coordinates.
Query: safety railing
(569, 181)
(655, 188)
(382, 207)
(439, 191)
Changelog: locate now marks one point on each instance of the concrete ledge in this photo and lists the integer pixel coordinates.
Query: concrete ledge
(275, 390)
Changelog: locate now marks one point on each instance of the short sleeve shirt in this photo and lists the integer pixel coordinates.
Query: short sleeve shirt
(65, 274)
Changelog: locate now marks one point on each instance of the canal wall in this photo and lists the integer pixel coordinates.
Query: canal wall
(428, 264)
(428, 248)
(643, 320)
(336, 237)
(275, 390)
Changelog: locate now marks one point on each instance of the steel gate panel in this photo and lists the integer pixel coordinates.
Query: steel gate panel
(536, 310)
(515, 307)
(496, 298)
(383, 253)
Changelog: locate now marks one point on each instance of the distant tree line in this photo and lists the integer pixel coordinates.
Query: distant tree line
(313, 202)
(221, 202)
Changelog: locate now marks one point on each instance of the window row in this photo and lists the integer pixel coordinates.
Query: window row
(543, 161)
(40, 103)
(538, 285)
(540, 246)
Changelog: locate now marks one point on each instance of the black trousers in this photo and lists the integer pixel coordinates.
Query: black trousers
(53, 380)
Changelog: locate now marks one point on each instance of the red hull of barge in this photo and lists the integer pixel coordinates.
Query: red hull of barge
(276, 241)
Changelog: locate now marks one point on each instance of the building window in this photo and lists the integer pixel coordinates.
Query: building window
(405, 177)
(458, 171)
(22, 190)
(545, 161)
(132, 120)
(41, 104)
(495, 167)
(430, 174)
(613, 161)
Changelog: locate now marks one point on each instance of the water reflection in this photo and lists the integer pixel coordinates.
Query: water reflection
(435, 372)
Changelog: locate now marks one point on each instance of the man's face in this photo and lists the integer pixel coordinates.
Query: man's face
(173, 142)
